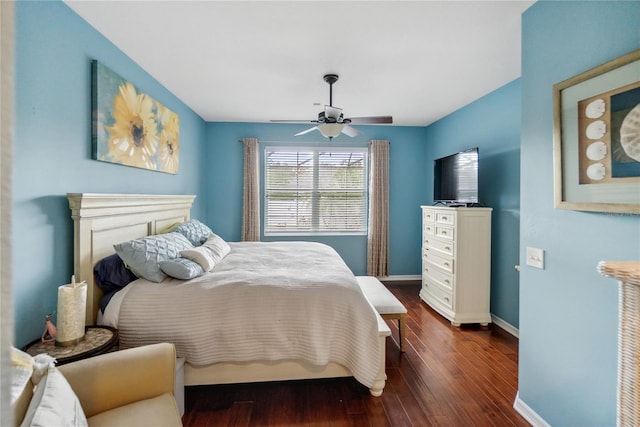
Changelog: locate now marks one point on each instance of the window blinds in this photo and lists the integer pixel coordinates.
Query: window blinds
(310, 191)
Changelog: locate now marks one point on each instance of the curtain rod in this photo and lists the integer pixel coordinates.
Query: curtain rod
(314, 142)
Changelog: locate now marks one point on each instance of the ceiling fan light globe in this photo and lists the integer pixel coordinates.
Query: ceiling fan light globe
(330, 130)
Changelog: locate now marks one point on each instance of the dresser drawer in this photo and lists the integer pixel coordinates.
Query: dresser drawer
(445, 232)
(429, 229)
(442, 262)
(442, 296)
(444, 246)
(445, 280)
(445, 218)
(428, 215)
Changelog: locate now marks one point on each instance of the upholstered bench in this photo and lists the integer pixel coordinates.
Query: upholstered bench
(385, 303)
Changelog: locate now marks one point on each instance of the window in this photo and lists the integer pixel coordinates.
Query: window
(315, 191)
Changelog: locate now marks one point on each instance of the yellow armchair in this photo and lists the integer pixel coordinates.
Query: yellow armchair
(128, 387)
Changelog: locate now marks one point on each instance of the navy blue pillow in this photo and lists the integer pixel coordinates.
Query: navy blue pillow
(112, 275)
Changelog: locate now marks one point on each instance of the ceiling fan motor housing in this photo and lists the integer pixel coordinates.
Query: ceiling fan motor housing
(323, 118)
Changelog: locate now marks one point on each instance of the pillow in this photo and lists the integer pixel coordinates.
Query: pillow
(54, 403)
(41, 364)
(181, 268)
(210, 253)
(112, 274)
(200, 255)
(217, 247)
(143, 256)
(194, 230)
(21, 370)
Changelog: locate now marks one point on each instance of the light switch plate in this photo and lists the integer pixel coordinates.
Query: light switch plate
(535, 257)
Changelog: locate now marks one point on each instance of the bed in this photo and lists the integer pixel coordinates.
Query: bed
(104, 220)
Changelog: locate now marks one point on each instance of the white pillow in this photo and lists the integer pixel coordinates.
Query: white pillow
(217, 247)
(21, 370)
(54, 403)
(200, 255)
(210, 253)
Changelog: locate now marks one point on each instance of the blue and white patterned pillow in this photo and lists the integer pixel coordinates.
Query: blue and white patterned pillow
(143, 256)
(194, 230)
(181, 268)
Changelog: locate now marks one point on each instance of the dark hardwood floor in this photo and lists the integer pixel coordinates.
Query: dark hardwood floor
(448, 377)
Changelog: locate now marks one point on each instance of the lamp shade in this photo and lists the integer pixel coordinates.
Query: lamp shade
(330, 130)
(72, 307)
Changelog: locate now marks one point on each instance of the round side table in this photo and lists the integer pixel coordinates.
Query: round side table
(97, 340)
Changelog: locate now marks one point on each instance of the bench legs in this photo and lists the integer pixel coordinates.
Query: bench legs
(402, 326)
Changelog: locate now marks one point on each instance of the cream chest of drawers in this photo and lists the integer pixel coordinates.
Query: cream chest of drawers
(456, 262)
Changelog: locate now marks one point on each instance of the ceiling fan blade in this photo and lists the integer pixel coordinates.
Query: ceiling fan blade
(349, 131)
(306, 131)
(371, 120)
(332, 112)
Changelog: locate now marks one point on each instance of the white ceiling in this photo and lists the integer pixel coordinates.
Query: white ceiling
(255, 61)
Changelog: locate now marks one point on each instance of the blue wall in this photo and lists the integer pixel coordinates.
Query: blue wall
(223, 191)
(54, 48)
(568, 312)
(492, 124)
(52, 150)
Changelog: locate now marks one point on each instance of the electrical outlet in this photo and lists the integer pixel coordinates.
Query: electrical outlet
(535, 257)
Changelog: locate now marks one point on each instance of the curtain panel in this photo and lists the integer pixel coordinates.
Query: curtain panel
(378, 235)
(251, 192)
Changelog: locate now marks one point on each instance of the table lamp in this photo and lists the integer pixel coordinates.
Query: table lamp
(72, 307)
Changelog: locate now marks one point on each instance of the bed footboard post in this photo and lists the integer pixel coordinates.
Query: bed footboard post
(377, 388)
(381, 379)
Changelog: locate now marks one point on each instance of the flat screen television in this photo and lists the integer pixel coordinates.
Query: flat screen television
(455, 179)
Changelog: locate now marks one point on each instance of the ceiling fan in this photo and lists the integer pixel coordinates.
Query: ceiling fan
(331, 122)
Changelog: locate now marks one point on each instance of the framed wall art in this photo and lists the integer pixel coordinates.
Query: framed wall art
(597, 138)
(130, 127)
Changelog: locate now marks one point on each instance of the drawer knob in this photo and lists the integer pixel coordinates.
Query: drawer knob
(447, 281)
(446, 299)
(444, 218)
(444, 232)
(447, 248)
(446, 264)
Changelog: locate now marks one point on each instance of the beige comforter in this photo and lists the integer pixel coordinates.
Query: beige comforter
(264, 301)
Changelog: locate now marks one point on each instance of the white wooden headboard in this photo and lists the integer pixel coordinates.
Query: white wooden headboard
(102, 220)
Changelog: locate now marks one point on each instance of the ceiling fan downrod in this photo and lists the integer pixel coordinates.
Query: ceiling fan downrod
(331, 79)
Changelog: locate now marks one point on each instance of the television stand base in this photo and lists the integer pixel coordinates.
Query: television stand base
(458, 204)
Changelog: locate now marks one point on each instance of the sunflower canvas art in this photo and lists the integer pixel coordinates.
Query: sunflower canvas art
(129, 127)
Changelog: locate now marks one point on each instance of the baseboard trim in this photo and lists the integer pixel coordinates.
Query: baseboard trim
(529, 414)
(400, 278)
(505, 325)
